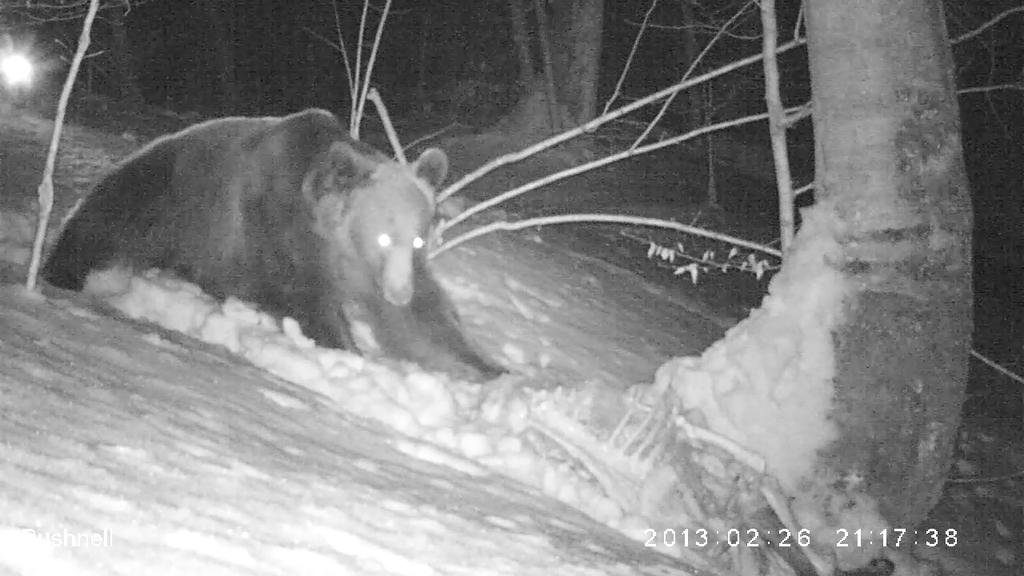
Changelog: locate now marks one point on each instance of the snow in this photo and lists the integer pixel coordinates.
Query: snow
(768, 384)
(767, 387)
(183, 459)
(430, 407)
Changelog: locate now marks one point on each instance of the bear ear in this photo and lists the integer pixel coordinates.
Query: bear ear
(432, 166)
(339, 168)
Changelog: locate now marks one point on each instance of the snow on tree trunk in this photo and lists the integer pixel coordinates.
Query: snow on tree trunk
(890, 166)
(849, 379)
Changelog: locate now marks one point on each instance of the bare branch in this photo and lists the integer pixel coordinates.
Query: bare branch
(777, 125)
(607, 218)
(977, 89)
(604, 119)
(992, 22)
(628, 153)
(361, 104)
(629, 59)
(341, 45)
(693, 66)
(46, 186)
(385, 118)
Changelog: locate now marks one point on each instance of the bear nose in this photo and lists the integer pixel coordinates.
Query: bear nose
(398, 295)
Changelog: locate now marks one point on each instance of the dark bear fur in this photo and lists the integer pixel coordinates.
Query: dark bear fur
(287, 213)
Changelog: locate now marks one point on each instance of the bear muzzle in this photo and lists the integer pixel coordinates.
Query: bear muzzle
(397, 278)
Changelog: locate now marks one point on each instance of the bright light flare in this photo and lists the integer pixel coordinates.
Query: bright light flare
(17, 70)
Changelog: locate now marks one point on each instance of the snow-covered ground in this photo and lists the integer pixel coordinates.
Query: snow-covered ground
(131, 450)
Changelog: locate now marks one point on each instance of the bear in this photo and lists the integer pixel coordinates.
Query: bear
(288, 213)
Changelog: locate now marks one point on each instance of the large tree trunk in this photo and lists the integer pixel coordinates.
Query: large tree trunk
(688, 38)
(889, 162)
(585, 26)
(574, 28)
(521, 37)
(849, 379)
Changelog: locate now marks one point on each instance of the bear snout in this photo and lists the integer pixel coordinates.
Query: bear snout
(397, 279)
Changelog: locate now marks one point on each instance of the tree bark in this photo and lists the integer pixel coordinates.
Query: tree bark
(587, 27)
(694, 113)
(570, 45)
(890, 166)
(548, 65)
(849, 379)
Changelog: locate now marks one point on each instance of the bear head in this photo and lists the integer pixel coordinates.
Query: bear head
(375, 216)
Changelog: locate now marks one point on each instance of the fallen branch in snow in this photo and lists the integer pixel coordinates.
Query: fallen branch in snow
(773, 494)
(637, 464)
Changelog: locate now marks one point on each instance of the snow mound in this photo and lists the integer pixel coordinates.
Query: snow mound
(448, 420)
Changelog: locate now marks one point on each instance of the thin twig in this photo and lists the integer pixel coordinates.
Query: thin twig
(341, 48)
(432, 135)
(693, 66)
(389, 129)
(45, 191)
(986, 479)
(809, 187)
(355, 113)
(992, 22)
(993, 365)
(330, 43)
(629, 59)
(373, 57)
(977, 89)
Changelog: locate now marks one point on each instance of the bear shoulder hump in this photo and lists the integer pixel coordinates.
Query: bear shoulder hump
(315, 119)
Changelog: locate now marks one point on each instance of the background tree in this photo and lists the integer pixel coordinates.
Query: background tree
(123, 57)
(559, 51)
(220, 15)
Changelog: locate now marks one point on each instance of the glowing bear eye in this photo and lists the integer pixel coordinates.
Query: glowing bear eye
(418, 243)
(384, 241)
